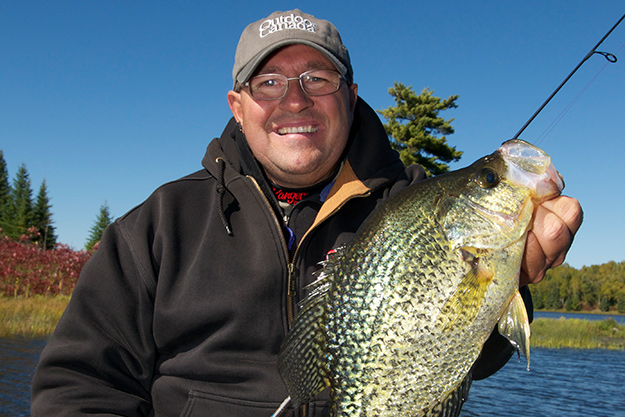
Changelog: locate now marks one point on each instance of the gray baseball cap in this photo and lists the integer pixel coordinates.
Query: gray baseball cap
(261, 38)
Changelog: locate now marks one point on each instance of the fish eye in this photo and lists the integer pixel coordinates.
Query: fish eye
(487, 178)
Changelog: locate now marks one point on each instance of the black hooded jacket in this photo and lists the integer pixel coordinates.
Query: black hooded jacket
(182, 309)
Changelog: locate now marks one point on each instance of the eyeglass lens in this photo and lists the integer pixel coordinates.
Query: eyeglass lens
(313, 83)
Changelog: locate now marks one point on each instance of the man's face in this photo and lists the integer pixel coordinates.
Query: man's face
(291, 158)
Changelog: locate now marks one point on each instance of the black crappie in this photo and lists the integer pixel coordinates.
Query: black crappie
(398, 316)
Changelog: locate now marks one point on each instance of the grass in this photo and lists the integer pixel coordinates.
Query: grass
(36, 317)
(578, 334)
(31, 317)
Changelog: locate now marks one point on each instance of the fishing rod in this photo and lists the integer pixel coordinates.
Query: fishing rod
(610, 57)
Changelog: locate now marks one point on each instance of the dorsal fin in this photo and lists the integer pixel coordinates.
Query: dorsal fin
(301, 361)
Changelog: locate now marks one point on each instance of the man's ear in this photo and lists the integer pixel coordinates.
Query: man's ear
(353, 96)
(234, 101)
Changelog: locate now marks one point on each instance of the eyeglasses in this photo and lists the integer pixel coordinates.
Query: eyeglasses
(275, 86)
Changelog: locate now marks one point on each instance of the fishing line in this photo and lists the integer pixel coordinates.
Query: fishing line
(610, 57)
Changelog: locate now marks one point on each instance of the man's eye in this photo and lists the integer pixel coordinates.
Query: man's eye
(265, 83)
(272, 82)
(314, 79)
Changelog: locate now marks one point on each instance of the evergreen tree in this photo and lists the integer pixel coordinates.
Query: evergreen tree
(95, 234)
(5, 193)
(19, 216)
(417, 132)
(42, 218)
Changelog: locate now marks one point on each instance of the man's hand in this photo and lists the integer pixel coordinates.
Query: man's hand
(555, 223)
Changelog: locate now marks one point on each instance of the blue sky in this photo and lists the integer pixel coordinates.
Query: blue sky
(107, 100)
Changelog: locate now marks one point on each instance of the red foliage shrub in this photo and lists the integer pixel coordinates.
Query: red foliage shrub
(26, 269)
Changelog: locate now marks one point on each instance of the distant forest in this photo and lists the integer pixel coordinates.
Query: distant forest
(596, 287)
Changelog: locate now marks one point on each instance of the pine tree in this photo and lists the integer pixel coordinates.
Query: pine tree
(95, 234)
(5, 194)
(417, 132)
(42, 218)
(19, 216)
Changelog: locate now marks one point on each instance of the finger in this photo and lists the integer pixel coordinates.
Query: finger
(533, 266)
(568, 210)
(555, 224)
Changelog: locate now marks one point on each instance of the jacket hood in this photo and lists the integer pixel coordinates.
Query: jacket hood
(369, 152)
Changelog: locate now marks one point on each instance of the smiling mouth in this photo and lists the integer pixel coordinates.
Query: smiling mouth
(297, 129)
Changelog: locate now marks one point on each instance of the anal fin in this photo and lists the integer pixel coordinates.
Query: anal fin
(514, 325)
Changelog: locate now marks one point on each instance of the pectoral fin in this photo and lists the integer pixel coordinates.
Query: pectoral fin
(464, 304)
(514, 325)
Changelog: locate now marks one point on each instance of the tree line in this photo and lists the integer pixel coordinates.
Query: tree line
(596, 287)
(21, 217)
(27, 219)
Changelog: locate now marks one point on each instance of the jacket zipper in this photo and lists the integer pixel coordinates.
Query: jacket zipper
(291, 293)
(291, 281)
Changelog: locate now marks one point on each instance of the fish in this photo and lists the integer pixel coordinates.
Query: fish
(395, 319)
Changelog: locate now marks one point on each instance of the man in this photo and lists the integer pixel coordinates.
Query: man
(182, 309)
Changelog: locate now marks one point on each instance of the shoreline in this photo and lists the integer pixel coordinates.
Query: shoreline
(593, 312)
(577, 333)
(36, 317)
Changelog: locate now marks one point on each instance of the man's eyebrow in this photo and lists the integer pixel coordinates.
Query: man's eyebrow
(268, 70)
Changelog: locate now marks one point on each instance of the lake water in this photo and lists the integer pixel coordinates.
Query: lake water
(18, 358)
(561, 382)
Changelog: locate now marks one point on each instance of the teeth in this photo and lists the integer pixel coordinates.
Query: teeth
(297, 129)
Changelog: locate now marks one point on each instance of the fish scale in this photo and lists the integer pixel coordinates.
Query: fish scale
(397, 317)
(391, 351)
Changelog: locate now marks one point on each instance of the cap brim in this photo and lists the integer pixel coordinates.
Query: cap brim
(248, 70)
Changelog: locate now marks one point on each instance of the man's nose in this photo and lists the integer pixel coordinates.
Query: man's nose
(295, 98)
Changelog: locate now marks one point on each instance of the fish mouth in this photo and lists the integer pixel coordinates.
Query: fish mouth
(531, 167)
